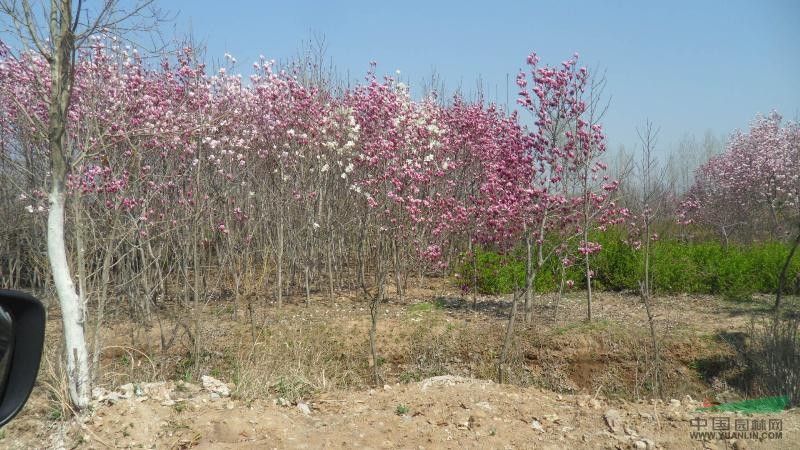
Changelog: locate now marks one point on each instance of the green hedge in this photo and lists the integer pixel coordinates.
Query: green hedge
(737, 271)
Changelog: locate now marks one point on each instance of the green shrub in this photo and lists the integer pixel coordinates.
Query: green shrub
(736, 272)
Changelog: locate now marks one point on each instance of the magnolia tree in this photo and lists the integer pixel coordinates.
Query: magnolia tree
(756, 181)
(571, 192)
(55, 33)
(648, 201)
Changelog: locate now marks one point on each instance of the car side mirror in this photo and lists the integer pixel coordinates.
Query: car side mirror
(22, 321)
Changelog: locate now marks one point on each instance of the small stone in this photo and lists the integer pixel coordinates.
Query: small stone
(214, 396)
(630, 431)
(613, 419)
(675, 416)
(168, 402)
(537, 426)
(594, 403)
(484, 405)
(479, 413)
(386, 387)
(229, 405)
(551, 417)
(216, 386)
(739, 445)
(303, 407)
(674, 403)
(640, 444)
(283, 402)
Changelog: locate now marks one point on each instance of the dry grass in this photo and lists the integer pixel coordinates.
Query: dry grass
(296, 352)
(295, 362)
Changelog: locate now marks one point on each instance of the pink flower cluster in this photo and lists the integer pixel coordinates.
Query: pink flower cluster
(163, 146)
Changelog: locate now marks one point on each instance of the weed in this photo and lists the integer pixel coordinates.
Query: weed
(424, 307)
(179, 407)
(401, 410)
(293, 389)
(55, 414)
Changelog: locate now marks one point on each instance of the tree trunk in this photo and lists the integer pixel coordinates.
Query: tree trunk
(279, 281)
(508, 338)
(588, 277)
(645, 294)
(398, 275)
(72, 308)
(784, 270)
(560, 292)
(529, 277)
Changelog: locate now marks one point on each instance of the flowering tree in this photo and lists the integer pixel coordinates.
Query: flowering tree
(572, 194)
(52, 90)
(755, 181)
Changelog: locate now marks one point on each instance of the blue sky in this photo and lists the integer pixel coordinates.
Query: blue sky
(689, 66)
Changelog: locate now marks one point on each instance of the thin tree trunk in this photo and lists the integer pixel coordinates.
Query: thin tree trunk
(560, 292)
(101, 305)
(397, 270)
(279, 258)
(329, 264)
(588, 276)
(528, 277)
(784, 270)
(306, 282)
(196, 298)
(508, 338)
(654, 340)
(474, 289)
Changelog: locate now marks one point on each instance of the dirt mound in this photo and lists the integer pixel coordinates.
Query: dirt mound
(440, 412)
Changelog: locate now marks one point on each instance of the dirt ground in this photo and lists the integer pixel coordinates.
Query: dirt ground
(441, 412)
(306, 383)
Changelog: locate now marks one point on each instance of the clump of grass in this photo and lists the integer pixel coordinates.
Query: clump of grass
(423, 307)
(401, 410)
(774, 355)
(294, 362)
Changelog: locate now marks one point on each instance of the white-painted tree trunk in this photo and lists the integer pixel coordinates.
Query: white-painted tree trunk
(72, 308)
